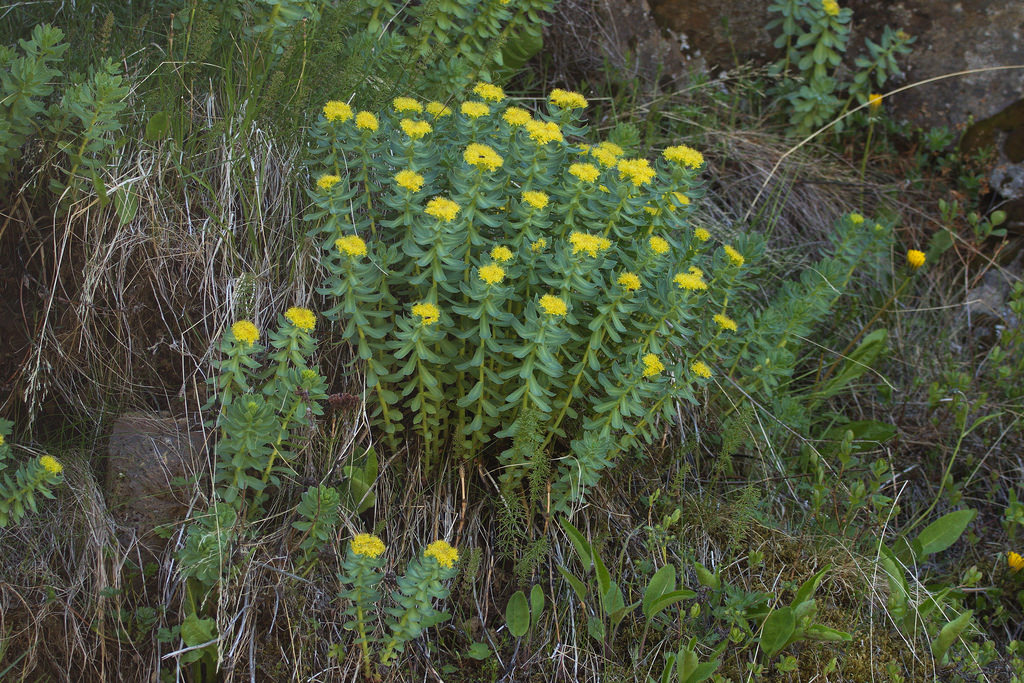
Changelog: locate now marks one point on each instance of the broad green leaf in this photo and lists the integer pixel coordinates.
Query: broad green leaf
(536, 603)
(776, 630)
(819, 632)
(948, 635)
(578, 586)
(663, 581)
(479, 651)
(667, 600)
(517, 614)
(943, 532)
(809, 586)
(579, 541)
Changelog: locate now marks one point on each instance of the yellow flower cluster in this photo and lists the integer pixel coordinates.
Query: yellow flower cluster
(658, 245)
(915, 259)
(403, 104)
(483, 157)
(638, 171)
(367, 545)
(538, 245)
(735, 257)
(856, 218)
(681, 198)
(302, 318)
(492, 274)
(410, 180)
(353, 245)
(700, 369)
(585, 172)
(629, 281)
(690, 281)
(543, 132)
(606, 153)
(2, 439)
(427, 312)
(553, 305)
(501, 254)
(831, 7)
(874, 102)
(684, 156)
(491, 93)
(652, 365)
(442, 208)
(438, 110)
(1015, 561)
(51, 464)
(475, 110)
(725, 322)
(516, 116)
(327, 181)
(366, 121)
(592, 244)
(337, 111)
(415, 129)
(245, 332)
(445, 555)
(567, 99)
(537, 200)
(702, 234)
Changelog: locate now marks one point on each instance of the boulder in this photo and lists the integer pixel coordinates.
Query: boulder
(149, 456)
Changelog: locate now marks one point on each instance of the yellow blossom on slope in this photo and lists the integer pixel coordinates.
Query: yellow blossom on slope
(445, 555)
(367, 545)
(690, 281)
(702, 234)
(831, 7)
(537, 200)
(638, 171)
(337, 111)
(366, 121)
(403, 104)
(538, 245)
(567, 99)
(492, 274)
(516, 116)
(51, 464)
(410, 180)
(652, 365)
(874, 102)
(489, 92)
(700, 369)
(483, 157)
(553, 305)
(475, 110)
(427, 312)
(735, 257)
(245, 332)
(629, 281)
(585, 172)
(302, 318)
(543, 132)
(501, 254)
(725, 322)
(327, 181)
(353, 245)
(915, 258)
(415, 129)
(442, 208)
(438, 110)
(1015, 561)
(684, 156)
(658, 245)
(592, 244)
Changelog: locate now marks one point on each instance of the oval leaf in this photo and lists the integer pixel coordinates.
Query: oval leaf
(943, 532)
(663, 581)
(517, 614)
(777, 629)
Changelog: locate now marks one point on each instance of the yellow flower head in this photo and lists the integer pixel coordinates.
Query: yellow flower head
(51, 464)
(702, 234)
(427, 312)
(367, 545)
(438, 110)
(415, 129)
(592, 244)
(658, 245)
(501, 254)
(516, 116)
(353, 245)
(700, 369)
(856, 218)
(1015, 561)
(475, 110)
(483, 157)
(567, 99)
(538, 245)
(537, 200)
(725, 322)
(543, 132)
(442, 208)
(302, 318)
(652, 365)
(492, 274)
(585, 172)
(694, 270)
(327, 181)
(629, 281)
(610, 147)
(245, 332)
(2, 439)
(684, 156)
(638, 171)
(552, 305)
(681, 198)
(735, 257)
(874, 102)
(690, 281)
(410, 180)
(491, 93)
(366, 121)
(445, 555)
(403, 104)
(604, 156)
(915, 259)
(337, 111)
(831, 7)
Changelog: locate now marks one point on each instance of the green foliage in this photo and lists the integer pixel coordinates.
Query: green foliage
(319, 511)
(814, 35)
(20, 487)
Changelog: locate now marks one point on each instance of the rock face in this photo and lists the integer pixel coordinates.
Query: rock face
(717, 35)
(147, 457)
